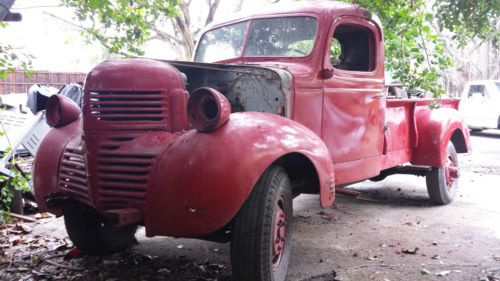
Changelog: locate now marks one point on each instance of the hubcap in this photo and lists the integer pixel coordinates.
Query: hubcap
(279, 233)
(451, 172)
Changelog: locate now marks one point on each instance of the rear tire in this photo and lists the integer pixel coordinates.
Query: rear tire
(260, 248)
(442, 183)
(91, 235)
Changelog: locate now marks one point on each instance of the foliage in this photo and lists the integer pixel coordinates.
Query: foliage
(10, 59)
(469, 19)
(16, 181)
(415, 53)
(122, 26)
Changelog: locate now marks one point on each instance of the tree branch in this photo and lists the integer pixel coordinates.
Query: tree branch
(87, 30)
(238, 6)
(212, 8)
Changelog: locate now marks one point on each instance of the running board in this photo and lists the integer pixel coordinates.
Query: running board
(347, 192)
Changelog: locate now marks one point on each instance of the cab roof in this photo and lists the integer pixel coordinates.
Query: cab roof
(317, 8)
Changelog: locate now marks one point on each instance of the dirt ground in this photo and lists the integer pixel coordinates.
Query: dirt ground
(391, 232)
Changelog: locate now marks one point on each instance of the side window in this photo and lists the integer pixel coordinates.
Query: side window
(476, 91)
(353, 48)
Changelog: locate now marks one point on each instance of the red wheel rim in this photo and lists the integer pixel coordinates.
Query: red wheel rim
(451, 171)
(279, 233)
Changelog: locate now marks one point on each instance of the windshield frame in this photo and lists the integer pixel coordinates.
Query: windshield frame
(248, 30)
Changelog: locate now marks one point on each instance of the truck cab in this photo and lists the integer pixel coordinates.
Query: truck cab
(284, 102)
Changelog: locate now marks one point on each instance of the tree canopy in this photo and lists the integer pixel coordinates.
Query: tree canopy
(414, 48)
(415, 51)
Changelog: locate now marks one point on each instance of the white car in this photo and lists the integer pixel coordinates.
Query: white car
(480, 105)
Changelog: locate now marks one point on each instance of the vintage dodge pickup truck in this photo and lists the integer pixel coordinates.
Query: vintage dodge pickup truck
(284, 102)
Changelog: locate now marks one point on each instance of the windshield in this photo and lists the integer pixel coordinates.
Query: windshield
(498, 86)
(273, 37)
(222, 43)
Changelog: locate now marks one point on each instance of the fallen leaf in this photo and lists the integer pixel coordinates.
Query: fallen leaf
(43, 216)
(73, 253)
(443, 273)
(424, 271)
(23, 269)
(23, 227)
(165, 271)
(410, 252)
(40, 242)
(329, 217)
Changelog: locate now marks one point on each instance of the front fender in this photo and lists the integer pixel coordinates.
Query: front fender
(48, 156)
(435, 128)
(203, 179)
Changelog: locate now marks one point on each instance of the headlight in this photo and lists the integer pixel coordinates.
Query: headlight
(208, 109)
(61, 111)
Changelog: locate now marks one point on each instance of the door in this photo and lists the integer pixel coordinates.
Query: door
(354, 100)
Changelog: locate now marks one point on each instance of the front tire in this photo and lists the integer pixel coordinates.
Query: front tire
(260, 247)
(91, 235)
(442, 183)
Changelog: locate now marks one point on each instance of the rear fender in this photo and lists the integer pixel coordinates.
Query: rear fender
(435, 128)
(203, 179)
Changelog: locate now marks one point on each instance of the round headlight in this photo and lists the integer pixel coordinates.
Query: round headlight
(208, 109)
(61, 111)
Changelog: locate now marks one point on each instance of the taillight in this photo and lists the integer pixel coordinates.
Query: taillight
(208, 109)
(61, 111)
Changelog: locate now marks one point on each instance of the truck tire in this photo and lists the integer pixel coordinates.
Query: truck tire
(442, 183)
(92, 236)
(260, 246)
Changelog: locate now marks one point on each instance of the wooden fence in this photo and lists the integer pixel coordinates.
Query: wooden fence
(20, 82)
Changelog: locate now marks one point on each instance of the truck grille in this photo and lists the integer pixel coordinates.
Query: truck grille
(73, 174)
(125, 107)
(123, 179)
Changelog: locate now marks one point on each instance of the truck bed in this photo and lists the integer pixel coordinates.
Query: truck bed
(401, 133)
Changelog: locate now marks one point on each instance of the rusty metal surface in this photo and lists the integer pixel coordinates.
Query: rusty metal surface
(134, 94)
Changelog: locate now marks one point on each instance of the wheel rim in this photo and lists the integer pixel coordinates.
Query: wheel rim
(279, 233)
(451, 171)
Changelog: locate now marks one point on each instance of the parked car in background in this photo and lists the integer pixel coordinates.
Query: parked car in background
(480, 104)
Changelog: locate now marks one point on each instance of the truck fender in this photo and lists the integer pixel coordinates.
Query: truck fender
(435, 128)
(203, 179)
(47, 160)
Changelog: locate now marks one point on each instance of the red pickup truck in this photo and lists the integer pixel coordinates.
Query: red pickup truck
(280, 103)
